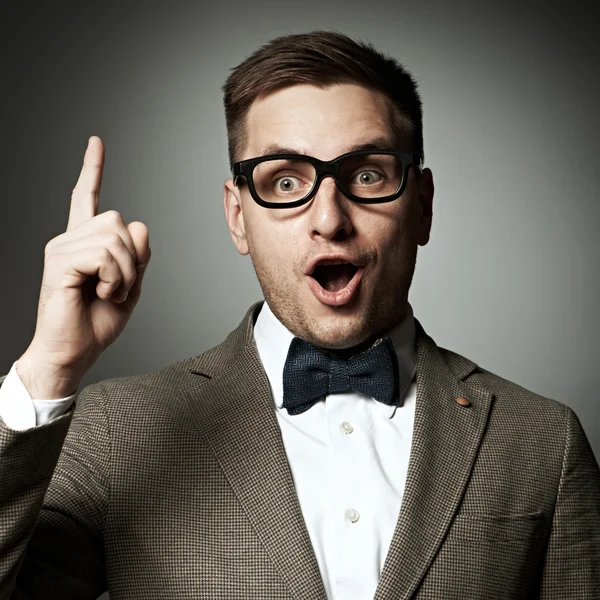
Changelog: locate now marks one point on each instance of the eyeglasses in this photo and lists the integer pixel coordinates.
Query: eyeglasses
(289, 180)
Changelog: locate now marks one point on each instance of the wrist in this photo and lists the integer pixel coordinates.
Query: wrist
(44, 381)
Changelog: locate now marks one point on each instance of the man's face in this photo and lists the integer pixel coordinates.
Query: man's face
(336, 306)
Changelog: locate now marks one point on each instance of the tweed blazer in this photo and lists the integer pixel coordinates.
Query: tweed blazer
(175, 484)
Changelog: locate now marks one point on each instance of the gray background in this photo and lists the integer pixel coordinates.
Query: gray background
(511, 95)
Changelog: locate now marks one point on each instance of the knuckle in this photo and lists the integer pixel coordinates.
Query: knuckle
(53, 245)
(105, 255)
(113, 216)
(114, 241)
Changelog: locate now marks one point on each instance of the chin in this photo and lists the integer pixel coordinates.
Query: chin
(327, 326)
(333, 328)
(340, 336)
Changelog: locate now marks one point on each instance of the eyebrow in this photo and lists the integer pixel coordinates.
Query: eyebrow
(379, 143)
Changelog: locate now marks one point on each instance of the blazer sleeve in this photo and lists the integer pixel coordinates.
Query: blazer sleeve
(572, 561)
(53, 497)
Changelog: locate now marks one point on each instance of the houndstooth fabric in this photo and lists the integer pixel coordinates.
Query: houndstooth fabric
(164, 488)
(310, 374)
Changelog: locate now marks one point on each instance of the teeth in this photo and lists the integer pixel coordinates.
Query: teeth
(335, 261)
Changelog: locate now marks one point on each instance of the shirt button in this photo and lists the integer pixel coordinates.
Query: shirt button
(346, 427)
(352, 515)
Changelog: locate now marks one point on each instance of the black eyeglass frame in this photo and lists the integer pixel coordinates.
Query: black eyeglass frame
(245, 169)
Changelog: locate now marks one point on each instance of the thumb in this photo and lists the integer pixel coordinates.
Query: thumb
(140, 237)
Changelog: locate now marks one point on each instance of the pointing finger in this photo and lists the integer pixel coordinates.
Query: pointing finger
(84, 200)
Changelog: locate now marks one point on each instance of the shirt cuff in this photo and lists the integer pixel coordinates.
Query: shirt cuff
(20, 412)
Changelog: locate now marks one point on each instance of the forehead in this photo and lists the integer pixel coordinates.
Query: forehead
(320, 122)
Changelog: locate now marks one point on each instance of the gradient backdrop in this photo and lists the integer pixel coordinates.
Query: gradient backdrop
(511, 276)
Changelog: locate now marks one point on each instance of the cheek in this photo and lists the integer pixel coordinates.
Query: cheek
(394, 239)
(272, 244)
(390, 230)
(405, 223)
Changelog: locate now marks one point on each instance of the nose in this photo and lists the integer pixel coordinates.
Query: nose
(328, 217)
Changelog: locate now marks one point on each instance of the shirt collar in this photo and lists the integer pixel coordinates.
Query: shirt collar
(273, 340)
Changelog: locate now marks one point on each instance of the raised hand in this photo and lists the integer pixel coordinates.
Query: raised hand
(91, 283)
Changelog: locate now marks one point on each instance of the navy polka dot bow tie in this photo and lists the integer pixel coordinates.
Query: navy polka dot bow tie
(310, 374)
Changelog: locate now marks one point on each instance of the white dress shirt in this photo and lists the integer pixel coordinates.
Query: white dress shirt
(20, 412)
(348, 455)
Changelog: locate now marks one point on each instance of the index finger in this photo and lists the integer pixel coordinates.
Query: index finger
(84, 200)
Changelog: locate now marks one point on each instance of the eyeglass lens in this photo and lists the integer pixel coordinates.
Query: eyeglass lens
(368, 176)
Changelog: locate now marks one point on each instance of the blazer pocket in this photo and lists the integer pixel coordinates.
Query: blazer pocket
(488, 556)
(496, 528)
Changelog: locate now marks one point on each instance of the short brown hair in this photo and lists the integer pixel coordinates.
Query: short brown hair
(320, 58)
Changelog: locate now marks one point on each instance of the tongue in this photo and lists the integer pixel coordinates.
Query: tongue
(336, 277)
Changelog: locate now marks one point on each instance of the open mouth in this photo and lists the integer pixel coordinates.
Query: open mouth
(334, 275)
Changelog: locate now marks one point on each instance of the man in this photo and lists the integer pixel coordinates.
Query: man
(327, 448)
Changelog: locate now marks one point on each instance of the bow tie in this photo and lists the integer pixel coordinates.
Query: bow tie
(310, 374)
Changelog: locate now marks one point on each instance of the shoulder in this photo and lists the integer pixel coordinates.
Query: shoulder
(513, 404)
(145, 397)
(163, 384)
(164, 380)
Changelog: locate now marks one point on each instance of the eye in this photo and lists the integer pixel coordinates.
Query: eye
(287, 184)
(367, 178)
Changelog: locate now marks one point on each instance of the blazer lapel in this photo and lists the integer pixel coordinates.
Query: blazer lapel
(231, 399)
(446, 438)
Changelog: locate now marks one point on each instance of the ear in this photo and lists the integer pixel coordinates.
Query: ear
(425, 191)
(234, 215)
